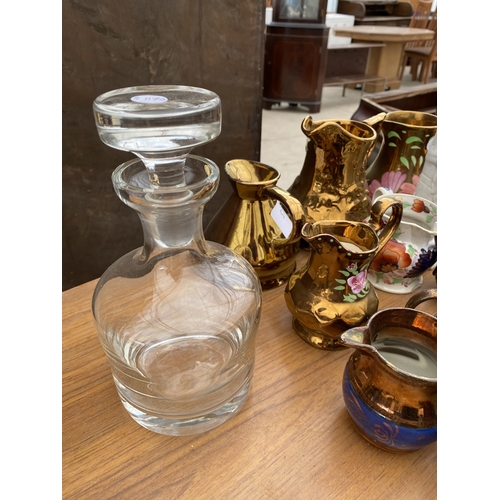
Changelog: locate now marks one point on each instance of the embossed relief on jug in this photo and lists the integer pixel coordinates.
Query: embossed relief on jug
(332, 184)
(399, 164)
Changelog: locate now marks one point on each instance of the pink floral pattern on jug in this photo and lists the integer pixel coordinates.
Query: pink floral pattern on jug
(356, 282)
(394, 180)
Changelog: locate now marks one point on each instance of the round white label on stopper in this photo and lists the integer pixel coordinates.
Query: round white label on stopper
(149, 99)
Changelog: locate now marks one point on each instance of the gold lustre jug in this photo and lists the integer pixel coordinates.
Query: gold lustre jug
(331, 293)
(399, 163)
(332, 183)
(260, 221)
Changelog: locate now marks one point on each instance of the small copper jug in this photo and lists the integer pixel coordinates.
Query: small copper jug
(331, 292)
(390, 381)
(260, 221)
(332, 183)
(400, 161)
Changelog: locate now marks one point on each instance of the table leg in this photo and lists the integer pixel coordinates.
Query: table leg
(385, 62)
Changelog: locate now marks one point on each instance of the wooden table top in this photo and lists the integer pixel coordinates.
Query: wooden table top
(293, 438)
(384, 33)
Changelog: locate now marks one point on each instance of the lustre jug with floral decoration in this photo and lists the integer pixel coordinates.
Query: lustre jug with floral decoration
(331, 293)
(399, 164)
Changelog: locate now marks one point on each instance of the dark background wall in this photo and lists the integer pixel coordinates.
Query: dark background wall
(110, 44)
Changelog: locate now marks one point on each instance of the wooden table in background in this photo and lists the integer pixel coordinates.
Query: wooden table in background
(293, 438)
(385, 61)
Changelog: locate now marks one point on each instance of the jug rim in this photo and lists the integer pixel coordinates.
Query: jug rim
(341, 121)
(391, 116)
(391, 194)
(265, 182)
(406, 310)
(337, 224)
(430, 229)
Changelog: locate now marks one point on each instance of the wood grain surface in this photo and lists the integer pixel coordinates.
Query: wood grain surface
(292, 439)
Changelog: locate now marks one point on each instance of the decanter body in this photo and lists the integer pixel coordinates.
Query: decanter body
(177, 317)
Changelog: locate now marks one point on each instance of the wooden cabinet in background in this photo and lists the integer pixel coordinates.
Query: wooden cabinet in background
(294, 65)
(296, 54)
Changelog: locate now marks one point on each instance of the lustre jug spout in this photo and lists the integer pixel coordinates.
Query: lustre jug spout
(331, 293)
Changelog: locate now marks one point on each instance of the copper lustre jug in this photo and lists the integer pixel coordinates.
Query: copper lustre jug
(390, 381)
(260, 221)
(332, 183)
(331, 293)
(400, 161)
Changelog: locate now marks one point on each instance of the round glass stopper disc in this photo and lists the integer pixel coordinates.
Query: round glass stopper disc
(155, 119)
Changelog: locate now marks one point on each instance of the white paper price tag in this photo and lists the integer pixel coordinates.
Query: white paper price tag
(282, 219)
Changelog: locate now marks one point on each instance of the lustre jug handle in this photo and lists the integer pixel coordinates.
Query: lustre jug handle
(295, 209)
(385, 230)
(420, 297)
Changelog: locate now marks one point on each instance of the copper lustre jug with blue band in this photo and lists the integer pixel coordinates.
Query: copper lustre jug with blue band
(390, 380)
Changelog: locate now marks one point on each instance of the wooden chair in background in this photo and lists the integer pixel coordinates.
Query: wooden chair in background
(421, 15)
(421, 54)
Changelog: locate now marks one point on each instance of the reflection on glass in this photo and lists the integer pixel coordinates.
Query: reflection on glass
(299, 9)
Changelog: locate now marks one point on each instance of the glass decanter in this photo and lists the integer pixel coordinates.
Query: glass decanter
(177, 317)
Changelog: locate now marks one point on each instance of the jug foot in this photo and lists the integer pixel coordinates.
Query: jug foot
(380, 445)
(317, 338)
(277, 279)
(273, 283)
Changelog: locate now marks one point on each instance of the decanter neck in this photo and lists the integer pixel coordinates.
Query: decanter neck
(171, 217)
(170, 228)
